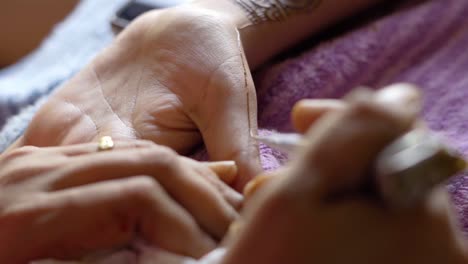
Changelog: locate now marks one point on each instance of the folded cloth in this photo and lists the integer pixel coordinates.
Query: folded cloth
(421, 42)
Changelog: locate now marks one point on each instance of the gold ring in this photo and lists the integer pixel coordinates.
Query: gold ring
(105, 143)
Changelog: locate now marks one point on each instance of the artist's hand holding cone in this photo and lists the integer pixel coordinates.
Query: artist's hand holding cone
(313, 211)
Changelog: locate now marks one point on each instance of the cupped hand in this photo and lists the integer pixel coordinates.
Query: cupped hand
(314, 212)
(177, 77)
(64, 202)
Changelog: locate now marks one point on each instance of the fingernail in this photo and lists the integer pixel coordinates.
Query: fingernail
(320, 104)
(254, 185)
(226, 170)
(405, 96)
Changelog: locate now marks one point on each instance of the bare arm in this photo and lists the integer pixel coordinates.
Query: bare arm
(269, 26)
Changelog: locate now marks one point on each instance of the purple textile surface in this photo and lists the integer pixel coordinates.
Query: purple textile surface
(423, 42)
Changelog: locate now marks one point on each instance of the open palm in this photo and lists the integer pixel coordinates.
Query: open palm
(174, 77)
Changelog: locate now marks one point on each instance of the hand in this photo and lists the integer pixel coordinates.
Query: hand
(313, 212)
(64, 202)
(174, 77)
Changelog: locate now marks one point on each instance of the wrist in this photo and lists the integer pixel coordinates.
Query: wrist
(251, 35)
(269, 27)
(227, 9)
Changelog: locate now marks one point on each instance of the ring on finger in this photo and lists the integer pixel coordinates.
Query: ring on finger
(105, 143)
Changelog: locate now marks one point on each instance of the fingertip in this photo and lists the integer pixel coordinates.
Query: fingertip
(358, 133)
(410, 90)
(307, 111)
(398, 105)
(256, 184)
(401, 96)
(227, 171)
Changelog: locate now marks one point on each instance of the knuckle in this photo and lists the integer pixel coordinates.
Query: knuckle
(28, 149)
(155, 159)
(166, 152)
(164, 157)
(142, 188)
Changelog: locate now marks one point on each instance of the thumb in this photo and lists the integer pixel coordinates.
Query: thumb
(227, 122)
(306, 112)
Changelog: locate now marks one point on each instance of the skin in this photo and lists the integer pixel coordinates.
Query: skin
(134, 90)
(178, 77)
(107, 199)
(313, 212)
(261, 11)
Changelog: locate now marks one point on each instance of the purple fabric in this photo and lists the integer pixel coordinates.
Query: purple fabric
(423, 42)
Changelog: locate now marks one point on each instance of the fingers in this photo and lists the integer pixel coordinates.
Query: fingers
(225, 170)
(108, 215)
(200, 198)
(48, 159)
(393, 94)
(88, 148)
(222, 168)
(342, 145)
(260, 182)
(306, 112)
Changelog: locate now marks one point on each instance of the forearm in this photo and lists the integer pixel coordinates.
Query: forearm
(272, 27)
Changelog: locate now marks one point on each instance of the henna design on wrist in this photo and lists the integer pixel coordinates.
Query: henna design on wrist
(259, 11)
